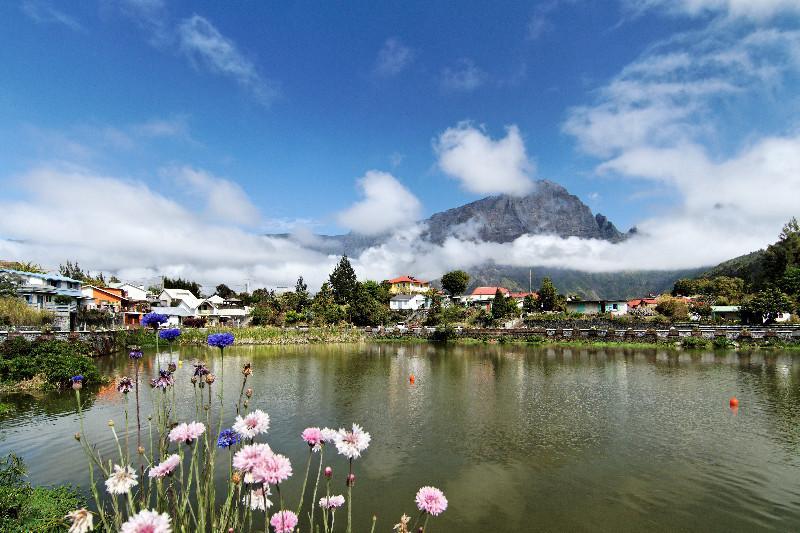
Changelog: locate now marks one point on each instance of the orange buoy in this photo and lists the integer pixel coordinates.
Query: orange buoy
(412, 379)
(734, 402)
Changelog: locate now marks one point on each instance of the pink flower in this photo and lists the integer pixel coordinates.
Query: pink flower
(166, 467)
(314, 438)
(246, 458)
(187, 432)
(273, 469)
(147, 522)
(252, 424)
(258, 500)
(431, 500)
(329, 435)
(283, 521)
(331, 502)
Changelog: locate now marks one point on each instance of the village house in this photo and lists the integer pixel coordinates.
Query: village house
(134, 293)
(408, 302)
(728, 313)
(482, 296)
(408, 285)
(642, 303)
(216, 310)
(598, 307)
(51, 292)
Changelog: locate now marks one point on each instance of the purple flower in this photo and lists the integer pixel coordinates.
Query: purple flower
(227, 438)
(169, 335)
(220, 340)
(125, 385)
(163, 380)
(153, 320)
(200, 369)
(135, 353)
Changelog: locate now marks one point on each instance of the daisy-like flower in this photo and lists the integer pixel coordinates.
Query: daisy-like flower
(187, 432)
(124, 385)
(329, 435)
(250, 455)
(352, 443)
(313, 437)
(252, 424)
(431, 500)
(331, 502)
(146, 521)
(283, 521)
(122, 480)
(165, 467)
(82, 521)
(258, 500)
(272, 469)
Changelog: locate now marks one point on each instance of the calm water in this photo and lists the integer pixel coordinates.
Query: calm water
(520, 439)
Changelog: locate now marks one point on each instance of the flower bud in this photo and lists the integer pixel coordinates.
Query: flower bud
(78, 437)
(140, 449)
(206, 407)
(351, 480)
(249, 393)
(111, 423)
(77, 385)
(236, 478)
(246, 403)
(328, 472)
(194, 380)
(149, 418)
(172, 367)
(247, 369)
(210, 378)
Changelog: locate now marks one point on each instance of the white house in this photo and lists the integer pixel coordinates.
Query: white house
(174, 297)
(134, 293)
(51, 292)
(598, 307)
(408, 302)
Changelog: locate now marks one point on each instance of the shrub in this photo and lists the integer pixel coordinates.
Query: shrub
(723, 342)
(26, 508)
(56, 360)
(15, 312)
(694, 342)
(534, 339)
(443, 334)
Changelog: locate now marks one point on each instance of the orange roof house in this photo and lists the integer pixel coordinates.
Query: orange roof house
(408, 285)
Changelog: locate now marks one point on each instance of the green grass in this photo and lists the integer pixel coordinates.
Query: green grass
(6, 409)
(249, 335)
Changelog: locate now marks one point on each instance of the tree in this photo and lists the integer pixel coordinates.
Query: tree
(23, 266)
(302, 298)
(224, 292)
(529, 304)
(435, 310)
(767, 305)
(548, 296)
(783, 254)
(9, 283)
(502, 306)
(790, 283)
(671, 307)
(343, 281)
(455, 282)
(379, 291)
(364, 310)
(114, 279)
(185, 284)
(324, 307)
(71, 270)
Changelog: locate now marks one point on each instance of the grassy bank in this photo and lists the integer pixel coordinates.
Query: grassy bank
(267, 335)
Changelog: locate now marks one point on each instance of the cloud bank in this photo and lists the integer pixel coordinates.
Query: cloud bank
(387, 204)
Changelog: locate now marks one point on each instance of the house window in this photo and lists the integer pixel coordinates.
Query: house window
(614, 307)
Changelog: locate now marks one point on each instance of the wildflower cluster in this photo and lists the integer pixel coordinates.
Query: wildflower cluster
(173, 486)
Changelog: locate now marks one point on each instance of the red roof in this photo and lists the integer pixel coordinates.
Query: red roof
(523, 294)
(489, 291)
(407, 279)
(642, 301)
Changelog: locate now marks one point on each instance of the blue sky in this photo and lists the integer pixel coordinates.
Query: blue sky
(287, 106)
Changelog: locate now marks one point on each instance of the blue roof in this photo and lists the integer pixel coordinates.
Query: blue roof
(53, 276)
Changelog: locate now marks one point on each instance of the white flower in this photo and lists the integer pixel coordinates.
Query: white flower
(122, 480)
(352, 443)
(147, 522)
(81, 521)
(332, 502)
(329, 435)
(258, 502)
(252, 424)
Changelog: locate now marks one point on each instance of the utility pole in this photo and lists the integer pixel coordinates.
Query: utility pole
(530, 280)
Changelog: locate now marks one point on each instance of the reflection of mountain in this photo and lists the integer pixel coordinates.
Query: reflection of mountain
(550, 209)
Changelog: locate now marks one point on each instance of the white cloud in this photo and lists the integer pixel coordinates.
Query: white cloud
(160, 127)
(43, 12)
(202, 42)
(393, 58)
(223, 198)
(758, 10)
(387, 204)
(484, 165)
(147, 235)
(464, 76)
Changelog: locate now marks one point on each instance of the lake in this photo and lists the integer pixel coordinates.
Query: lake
(519, 438)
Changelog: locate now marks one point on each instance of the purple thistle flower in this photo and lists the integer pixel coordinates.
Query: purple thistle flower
(153, 320)
(169, 335)
(125, 385)
(163, 381)
(200, 369)
(135, 353)
(79, 377)
(220, 340)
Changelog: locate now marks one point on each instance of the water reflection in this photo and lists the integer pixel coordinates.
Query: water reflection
(520, 438)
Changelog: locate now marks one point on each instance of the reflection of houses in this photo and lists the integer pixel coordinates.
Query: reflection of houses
(51, 292)
(598, 307)
(408, 302)
(408, 285)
